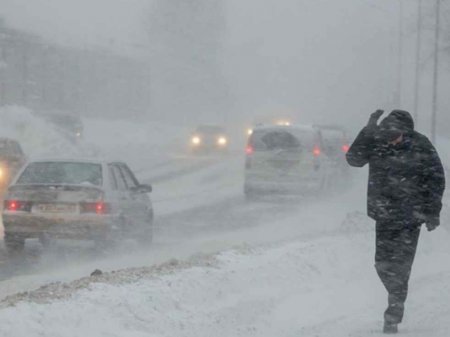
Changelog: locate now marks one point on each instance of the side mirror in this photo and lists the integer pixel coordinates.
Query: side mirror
(141, 189)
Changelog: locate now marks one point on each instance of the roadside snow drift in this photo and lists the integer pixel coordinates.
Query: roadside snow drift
(324, 287)
(37, 137)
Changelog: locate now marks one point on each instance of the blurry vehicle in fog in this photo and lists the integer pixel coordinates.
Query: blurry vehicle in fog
(70, 125)
(268, 122)
(285, 159)
(335, 144)
(82, 200)
(12, 159)
(209, 138)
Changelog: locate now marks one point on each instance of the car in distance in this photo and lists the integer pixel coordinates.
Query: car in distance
(12, 158)
(268, 121)
(209, 138)
(285, 159)
(335, 145)
(68, 124)
(76, 199)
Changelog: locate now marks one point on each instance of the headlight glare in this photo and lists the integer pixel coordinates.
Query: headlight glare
(222, 141)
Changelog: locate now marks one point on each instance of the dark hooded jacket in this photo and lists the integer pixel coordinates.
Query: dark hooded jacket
(406, 181)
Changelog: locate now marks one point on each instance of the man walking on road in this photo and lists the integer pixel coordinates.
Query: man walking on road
(406, 184)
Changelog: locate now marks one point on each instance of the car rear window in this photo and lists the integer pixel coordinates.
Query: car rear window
(274, 140)
(62, 173)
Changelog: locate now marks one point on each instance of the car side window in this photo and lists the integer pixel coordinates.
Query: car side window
(129, 177)
(112, 177)
(121, 184)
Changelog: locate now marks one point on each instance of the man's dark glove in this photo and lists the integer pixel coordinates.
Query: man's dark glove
(374, 117)
(432, 223)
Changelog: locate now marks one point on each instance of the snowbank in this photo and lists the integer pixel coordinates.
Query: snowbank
(324, 287)
(266, 291)
(37, 137)
(143, 144)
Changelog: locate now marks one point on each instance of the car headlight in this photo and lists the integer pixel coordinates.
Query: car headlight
(222, 141)
(3, 174)
(249, 132)
(196, 140)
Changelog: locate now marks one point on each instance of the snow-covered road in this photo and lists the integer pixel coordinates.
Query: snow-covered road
(198, 217)
(221, 266)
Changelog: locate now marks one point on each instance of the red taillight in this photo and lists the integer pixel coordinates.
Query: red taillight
(11, 205)
(100, 208)
(95, 207)
(316, 151)
(16, 205)
(249, 150)
(345, 148)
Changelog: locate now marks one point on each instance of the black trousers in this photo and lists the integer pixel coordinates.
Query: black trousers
(395, 252)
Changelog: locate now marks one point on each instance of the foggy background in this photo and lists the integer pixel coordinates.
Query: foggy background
(220, 61)
(143, 74)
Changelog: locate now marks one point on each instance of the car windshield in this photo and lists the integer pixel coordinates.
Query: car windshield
(274, 140)
(62, 173)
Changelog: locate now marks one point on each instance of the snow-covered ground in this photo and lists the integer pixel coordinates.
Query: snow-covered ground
(316, 287)
(219, 266)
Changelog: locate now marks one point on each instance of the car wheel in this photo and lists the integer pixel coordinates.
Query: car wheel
(105, 242)
(145, 232)
(14, 243)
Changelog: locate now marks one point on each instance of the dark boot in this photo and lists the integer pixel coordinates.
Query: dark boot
(390, 328)
(395, 309)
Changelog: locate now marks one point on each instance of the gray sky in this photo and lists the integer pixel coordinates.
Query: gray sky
(116, 23)
(321, 60)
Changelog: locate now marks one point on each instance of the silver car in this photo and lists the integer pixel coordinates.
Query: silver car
(285, 159)
(209, 138)
(76, 199)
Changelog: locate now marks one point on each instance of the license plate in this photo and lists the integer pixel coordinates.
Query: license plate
(56, 208)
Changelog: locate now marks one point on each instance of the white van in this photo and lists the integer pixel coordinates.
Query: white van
(285, 159)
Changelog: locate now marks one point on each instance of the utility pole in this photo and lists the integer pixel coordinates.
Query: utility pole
(418, 49)
(435, 72)
(398, 98)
